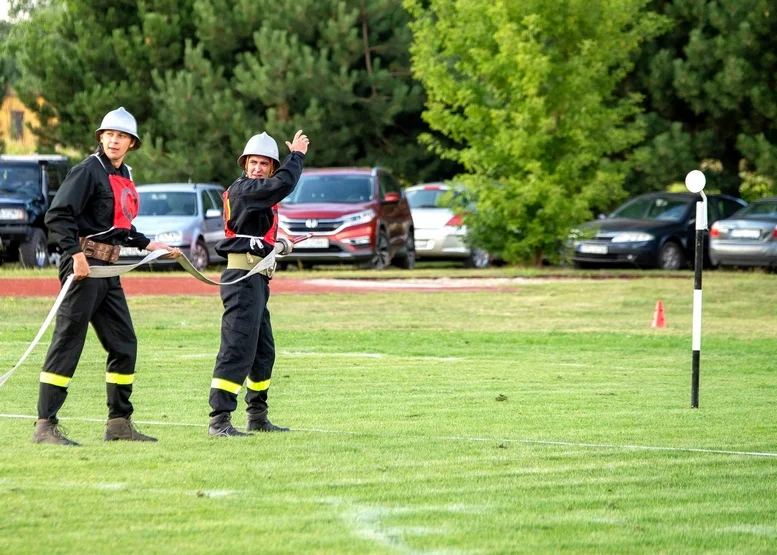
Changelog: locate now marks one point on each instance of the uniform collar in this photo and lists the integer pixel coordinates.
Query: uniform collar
(108, 165)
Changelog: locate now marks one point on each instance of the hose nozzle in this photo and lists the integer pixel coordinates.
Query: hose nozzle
(283, 246)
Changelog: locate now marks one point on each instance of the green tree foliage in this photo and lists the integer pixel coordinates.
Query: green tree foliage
(528, 92)
(88, 57)
(202, 76)
(8, 71)
(709, 94)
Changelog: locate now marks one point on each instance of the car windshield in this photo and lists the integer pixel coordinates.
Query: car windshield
(317, 189)
(426, 198)
(765, 208)
(167, 204)
(435, 198)
(653, 208)
(20, 178)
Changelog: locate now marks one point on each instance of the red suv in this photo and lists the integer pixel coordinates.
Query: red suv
(356, 215)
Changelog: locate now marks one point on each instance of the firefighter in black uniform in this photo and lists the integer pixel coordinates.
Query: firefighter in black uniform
(90, 218)
(247, 351)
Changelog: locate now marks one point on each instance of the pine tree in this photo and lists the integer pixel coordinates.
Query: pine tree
(202, 76)
(709, 94)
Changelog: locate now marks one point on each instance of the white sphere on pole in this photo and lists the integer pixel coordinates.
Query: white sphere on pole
(695, 181)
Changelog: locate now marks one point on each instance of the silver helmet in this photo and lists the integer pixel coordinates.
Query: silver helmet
(259, 145)
(120, 120)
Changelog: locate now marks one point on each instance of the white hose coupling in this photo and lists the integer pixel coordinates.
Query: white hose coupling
(283, 246)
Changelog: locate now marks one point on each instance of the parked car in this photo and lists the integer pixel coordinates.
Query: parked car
(355, 216)
(653, 230)
(439, 233)
(748, 238)
(27, 185)
(184, 215)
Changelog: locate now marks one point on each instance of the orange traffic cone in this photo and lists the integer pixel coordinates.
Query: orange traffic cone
(659, 320)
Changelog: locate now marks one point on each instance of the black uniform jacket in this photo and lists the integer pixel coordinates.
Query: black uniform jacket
(250, 208)
(83, 206)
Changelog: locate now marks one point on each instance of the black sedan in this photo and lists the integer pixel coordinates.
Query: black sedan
(656, 230)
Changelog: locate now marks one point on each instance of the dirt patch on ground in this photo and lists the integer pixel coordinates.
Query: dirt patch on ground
(49, 287)
(426, 284)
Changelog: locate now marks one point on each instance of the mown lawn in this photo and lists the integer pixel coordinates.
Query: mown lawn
(540, 418)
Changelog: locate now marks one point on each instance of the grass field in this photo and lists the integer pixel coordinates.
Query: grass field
(545, 418)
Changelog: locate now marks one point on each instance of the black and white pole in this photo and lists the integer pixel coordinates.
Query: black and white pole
(695, 182)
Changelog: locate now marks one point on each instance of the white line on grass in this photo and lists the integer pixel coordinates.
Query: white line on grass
(368, 522)
(613, 446)
(346, 355)
(456, 438)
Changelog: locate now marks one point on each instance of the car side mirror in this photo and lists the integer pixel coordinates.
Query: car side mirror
(212, 213)
(391, 197)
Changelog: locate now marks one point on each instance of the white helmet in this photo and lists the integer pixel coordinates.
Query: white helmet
(120, 120)
(259, 145)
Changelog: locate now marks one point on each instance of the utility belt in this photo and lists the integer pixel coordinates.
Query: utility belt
(99, 251)
(247, 261)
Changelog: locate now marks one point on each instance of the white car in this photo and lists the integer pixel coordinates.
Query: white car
(439, 233)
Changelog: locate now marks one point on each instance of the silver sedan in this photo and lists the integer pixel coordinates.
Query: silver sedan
(439, 233)
(184, 215)
(747, 238)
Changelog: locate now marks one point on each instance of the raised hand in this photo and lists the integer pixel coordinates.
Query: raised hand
(300, 143)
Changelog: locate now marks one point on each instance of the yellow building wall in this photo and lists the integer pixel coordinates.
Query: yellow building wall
(14, 121)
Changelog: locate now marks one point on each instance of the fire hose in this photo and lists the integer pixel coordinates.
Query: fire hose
(282, 247)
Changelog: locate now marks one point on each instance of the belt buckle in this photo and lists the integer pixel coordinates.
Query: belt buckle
(88, 248)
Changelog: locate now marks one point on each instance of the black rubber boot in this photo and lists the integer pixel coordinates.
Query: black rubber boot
(124, 429)
(221, 426)
(50, 432)
(260, 423)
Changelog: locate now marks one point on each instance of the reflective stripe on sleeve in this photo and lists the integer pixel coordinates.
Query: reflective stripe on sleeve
(119, 379)
(54, 379)
(257, 386)
(226, 385)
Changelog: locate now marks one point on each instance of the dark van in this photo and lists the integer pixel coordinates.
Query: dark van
(27, 186)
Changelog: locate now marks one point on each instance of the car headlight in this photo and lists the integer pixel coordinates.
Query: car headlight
(359, 218)
(12, 214)
(169, 237)
(632, 237)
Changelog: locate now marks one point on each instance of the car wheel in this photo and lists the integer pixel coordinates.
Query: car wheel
(55, 259)
(671, 257)
(382, 255)
(199, 255)
(34, 253)
(478, 258)
(407, 262)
